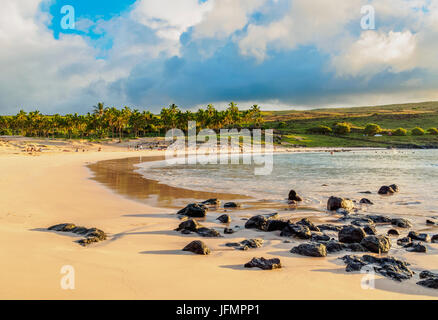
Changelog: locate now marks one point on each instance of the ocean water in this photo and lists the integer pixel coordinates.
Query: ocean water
(316, 176)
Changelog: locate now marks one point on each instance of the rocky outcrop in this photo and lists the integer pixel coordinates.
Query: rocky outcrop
(419, 236)
(378, 218)
(351, 234)
(335, 203)
(296, 230)
(329, 227)
(306, 222)
(336, 246)
(225, 218)
(376, 244)
(192, 225)
(370, 230)
(246, 244)
(264, 264)
(430, 280)
(401, 223)
(260, 221)
(388, 266)
(197, 247)
(91, 235)
(310, 250)
(294, 197)
(194, 210)
(211, 202)
(415, 247)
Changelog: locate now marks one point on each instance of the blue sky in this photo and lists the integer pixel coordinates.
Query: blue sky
(280, 54)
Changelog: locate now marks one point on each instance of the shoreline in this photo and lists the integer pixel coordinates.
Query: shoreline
(142, 259)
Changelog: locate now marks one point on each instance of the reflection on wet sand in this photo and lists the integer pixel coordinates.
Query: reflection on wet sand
(119, 175)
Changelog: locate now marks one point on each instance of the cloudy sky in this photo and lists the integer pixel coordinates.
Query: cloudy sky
(277, 53)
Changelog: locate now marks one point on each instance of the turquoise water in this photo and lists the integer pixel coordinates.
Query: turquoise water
(316, 176)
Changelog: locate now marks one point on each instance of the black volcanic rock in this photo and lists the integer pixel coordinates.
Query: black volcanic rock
(376, 244)
(197, 247)
(264, 264)
(194, 210)
(310, 250)
(351, 234)
(294, 197)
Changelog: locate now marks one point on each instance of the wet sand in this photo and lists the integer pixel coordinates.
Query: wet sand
(120, 176)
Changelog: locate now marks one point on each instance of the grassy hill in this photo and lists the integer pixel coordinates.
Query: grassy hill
(294, 126)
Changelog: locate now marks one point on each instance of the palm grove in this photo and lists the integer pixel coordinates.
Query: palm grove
(104, 122)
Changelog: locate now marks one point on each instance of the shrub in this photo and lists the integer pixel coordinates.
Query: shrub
(400, 132)
(342, 128)
(320, 130)
(282, 125)
(433, 131)
(372, 129)
(417, 131)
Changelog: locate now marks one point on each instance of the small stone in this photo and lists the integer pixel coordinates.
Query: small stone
(190, 225)
(393, 232)
(401, 223)
(231, 205)
(366, 201)
(228, 231)
(206, 232)
(225, 218)
(197, 247)
(334, 203)
(294, 197)
(264, 264)
(434, 238)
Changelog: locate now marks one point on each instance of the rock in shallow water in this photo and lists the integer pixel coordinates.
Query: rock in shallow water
(386, 190)
(419, 236)
(401, 223)
(225, 218)
(264, 264)
(335, 203)
(434, 238)
(310, 250)
(294, 197)
(415, 247)
(197, 247)
(393, 232)
(231, 205)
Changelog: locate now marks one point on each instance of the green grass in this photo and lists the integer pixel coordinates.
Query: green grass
(390, 117)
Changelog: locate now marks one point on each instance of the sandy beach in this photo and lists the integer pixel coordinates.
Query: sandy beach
(142, 258)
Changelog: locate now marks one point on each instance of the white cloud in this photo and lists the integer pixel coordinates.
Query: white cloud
(170, 18)
(377, 51)
(226, 17)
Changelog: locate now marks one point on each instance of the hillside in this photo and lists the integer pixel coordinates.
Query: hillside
(294, 126)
